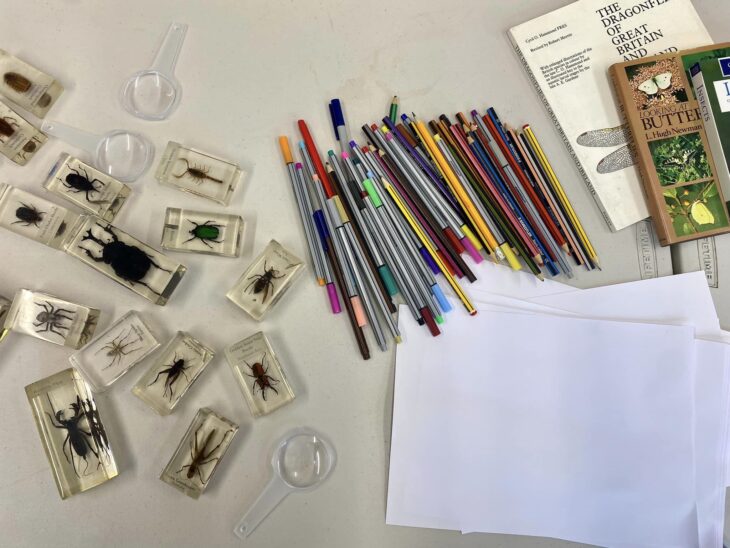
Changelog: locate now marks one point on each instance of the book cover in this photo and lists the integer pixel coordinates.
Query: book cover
(711, 84)
(673, 154)
(567, 53)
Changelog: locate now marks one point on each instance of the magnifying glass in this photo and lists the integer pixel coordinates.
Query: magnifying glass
(122, 154)
(154, 93)
(302, 460)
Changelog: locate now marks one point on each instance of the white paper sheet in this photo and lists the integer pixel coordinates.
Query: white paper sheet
(566, 434)
(428, 429)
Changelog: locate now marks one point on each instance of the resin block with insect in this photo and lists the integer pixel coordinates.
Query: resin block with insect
(266, 280)
(110, 355)
(4, 309)
(199, 453)
(173, 372)
(87, 188)
(71, 431)
(199, 173)
(259, 374)
(201, 232)
(19, 139)
(35, 217)
(125, 259)
(51, 319)
(26, 86)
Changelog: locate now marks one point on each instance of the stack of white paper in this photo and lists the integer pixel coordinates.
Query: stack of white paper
(596, 416)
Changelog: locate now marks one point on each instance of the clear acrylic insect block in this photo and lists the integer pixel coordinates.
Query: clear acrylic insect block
(267, 279)
(259, 374)
(35, 217)
(71, 431)
(199, 173)
(122, 346)
(172, 373)
(19, 139)
(199, 453)
(201, 232)
(125, 259)
(51, 319)
(26, 86)
(4, 309)
(87, 188)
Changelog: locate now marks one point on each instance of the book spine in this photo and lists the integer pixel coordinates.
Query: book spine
(625, 101)
(711, 129)
(563, 136)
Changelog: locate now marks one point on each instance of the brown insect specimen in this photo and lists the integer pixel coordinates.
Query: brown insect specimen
(200, 456)
(7, 126)
(264, 282)
(197, 173)
(261, 377)
(17, 82)
(21, 84)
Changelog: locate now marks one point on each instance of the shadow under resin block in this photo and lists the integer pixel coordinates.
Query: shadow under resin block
(199, 453)
(35, 217)
(199, 173)
(19, 139)
(201, 232)
(259, 374)
(87, 188)
(125, 259)
(26, 86)
(51, 319)
(71, 431)
(173, 372)
(266, 280)
(123, 345)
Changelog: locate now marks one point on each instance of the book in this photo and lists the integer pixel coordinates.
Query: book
(566, 54)
(672, 151)
(711, 84)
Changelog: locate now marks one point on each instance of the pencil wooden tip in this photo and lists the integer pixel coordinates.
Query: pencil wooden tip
(395, 100)
(565, 248)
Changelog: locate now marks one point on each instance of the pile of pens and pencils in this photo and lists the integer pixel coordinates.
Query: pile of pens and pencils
(389, 217)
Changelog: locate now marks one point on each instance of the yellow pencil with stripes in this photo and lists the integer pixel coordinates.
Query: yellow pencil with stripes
(427, 244)
(481, 227)
(561, 194)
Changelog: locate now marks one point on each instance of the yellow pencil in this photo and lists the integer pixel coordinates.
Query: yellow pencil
(561, 194)
(427, 244)
(481, 227)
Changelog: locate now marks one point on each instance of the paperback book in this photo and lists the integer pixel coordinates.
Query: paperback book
(677, 169)
(567, 53)
(711, 83)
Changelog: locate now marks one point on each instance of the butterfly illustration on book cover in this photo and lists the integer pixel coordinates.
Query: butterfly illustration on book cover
(653, 84)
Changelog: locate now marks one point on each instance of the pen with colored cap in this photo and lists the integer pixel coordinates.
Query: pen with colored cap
(338, 123)
(304, 215)
(416, 246)
(369, 287)
(387, 284)
(371, 225)
(328, 228)
(423, 297)
(411, 221)
(385, 166)
(337, 267)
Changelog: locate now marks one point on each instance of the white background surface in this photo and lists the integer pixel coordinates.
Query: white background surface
(249, 70)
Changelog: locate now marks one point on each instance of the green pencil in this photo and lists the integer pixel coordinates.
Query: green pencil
(394, 110)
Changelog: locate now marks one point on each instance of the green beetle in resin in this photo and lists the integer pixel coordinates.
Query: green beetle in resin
(205, 232)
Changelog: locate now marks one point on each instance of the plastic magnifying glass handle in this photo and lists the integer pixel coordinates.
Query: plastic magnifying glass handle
(274, 492)
(73, 136)
(169, 51)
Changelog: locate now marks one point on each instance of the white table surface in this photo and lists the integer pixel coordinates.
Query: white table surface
(249, 70)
